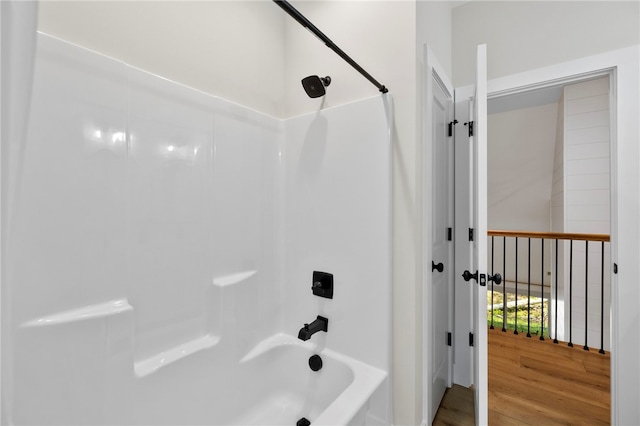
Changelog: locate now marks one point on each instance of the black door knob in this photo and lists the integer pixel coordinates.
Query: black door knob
(497, 278)
(468, 276)
(439, 267)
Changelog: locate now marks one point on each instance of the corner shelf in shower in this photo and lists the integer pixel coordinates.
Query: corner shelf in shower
(152, 364)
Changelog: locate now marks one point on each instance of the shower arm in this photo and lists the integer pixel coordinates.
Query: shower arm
(293, 12)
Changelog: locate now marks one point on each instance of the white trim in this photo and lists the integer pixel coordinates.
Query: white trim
(562, 81)
(480, 349)
(2, 230)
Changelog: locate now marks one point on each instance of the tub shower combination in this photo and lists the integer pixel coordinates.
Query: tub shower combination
(174, 258)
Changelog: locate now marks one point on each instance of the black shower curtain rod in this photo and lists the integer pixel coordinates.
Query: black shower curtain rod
(331, 45)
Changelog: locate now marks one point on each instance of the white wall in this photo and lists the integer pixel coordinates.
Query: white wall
(369, 32)
(521, 146)
(524, 35)
(433, 27)
(557, 185)
(232, 49)
(586, 153)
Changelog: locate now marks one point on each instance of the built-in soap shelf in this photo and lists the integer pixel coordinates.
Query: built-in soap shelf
(90, 312)
(232, 279)
(221, 301)
(152, 364)
(216, 307)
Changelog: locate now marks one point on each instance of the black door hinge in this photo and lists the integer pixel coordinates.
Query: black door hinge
(470, 234)
(615, 268)
(470, 127)
(449, 234)
(451, 124)
(449, 339)
(470, 339)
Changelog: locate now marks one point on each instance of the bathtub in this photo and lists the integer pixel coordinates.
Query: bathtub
(271, 385)
(79, 368)
(284, 388)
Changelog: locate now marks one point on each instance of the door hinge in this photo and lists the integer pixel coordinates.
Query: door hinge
(449, 234)
(451, 124)
(470, 127)
(449, 339)
(470, 234)
(470, 339)
(615, 268)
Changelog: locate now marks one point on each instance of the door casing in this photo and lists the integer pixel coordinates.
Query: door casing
(623, 67)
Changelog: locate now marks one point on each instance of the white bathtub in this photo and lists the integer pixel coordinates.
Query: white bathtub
(67, 376)
(271, 385)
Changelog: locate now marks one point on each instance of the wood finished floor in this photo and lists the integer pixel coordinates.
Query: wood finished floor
(536, 383)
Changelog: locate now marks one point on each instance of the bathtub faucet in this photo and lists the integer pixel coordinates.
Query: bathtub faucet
(320, 324)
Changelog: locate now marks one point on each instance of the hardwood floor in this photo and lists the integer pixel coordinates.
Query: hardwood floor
(533, 382)
(536, 383)
(456, 408)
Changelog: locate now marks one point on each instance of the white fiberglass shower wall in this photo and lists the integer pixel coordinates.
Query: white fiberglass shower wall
(161, 251)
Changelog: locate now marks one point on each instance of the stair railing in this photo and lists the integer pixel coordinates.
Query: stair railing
(555, 282)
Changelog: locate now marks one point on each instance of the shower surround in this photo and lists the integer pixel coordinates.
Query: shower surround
(161, 248)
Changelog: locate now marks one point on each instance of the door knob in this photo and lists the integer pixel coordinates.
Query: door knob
(497, 278)
(468, 276)
(439, 267)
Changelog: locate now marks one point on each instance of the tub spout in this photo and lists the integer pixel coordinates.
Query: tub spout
(320, 324)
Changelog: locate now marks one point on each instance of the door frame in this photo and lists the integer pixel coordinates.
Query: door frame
(623, 67)
(431, 69)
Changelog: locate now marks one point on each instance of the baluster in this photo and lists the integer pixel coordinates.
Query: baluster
(515, 331)
(542, 291)
(491, 327)
(586, 293)
(504, 284)
(555, 334)
(528, 288)
(602, 299)
(570, 292)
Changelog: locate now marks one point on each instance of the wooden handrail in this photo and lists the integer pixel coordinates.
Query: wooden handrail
(549, 235)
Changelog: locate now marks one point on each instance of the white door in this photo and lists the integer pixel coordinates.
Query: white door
(438, 189)
(440, 262)
(479, 142)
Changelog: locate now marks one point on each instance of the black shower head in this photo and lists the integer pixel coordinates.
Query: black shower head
(314, 85)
